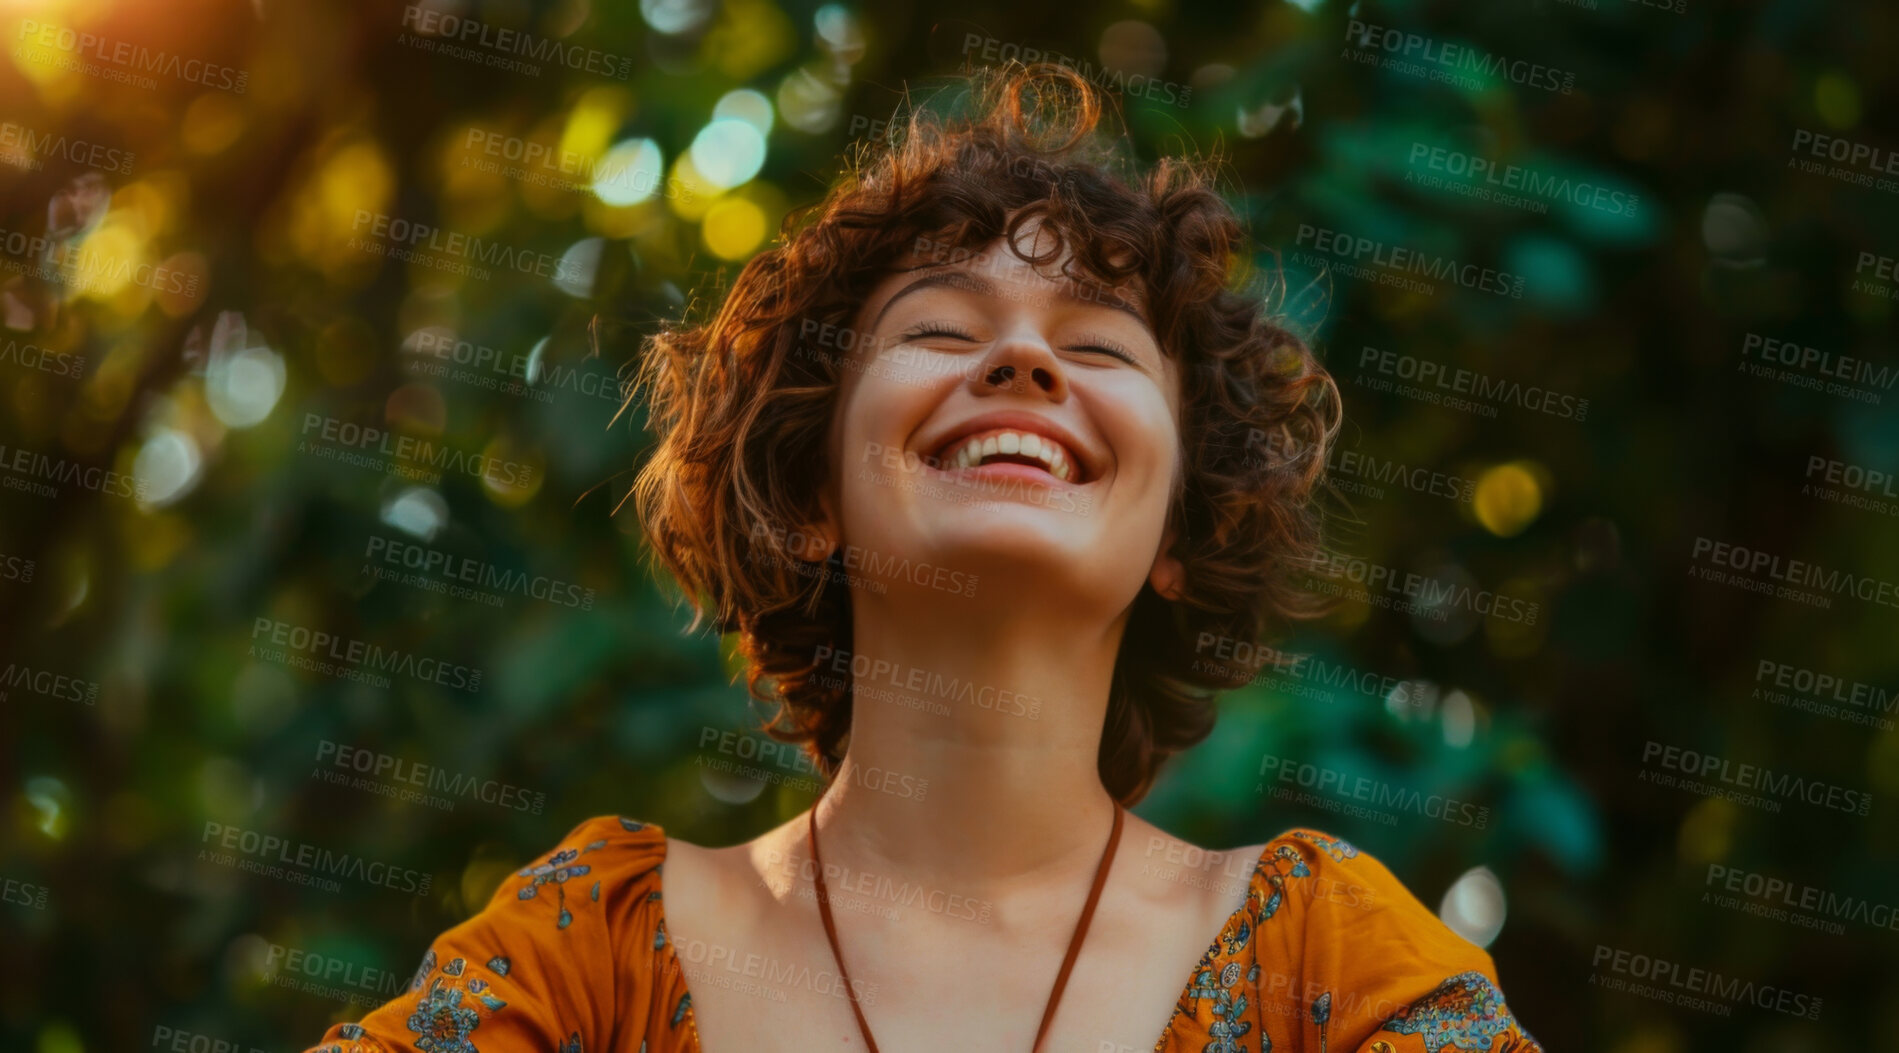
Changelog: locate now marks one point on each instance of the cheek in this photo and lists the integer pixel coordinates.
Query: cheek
(877, 410)
(1139, 419)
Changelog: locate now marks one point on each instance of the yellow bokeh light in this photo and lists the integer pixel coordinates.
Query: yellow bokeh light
(1707, 831)
(355, 179)
(689, 193)
(750, 37)
(594, 121)
(733, 228)
(212, 123)
(511, 475)
(144, 207)
(1836, 100)
(1509, 498)
(107, 260)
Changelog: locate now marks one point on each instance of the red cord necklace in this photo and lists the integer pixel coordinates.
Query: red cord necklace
(1061, 978)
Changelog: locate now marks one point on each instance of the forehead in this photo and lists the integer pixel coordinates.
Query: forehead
(1001, 271)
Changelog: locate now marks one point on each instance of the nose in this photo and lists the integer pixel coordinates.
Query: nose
(1020, 363)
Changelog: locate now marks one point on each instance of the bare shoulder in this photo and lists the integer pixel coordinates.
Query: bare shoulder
(752, 874)
(1168, 868)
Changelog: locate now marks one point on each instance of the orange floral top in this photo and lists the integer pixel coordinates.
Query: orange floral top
(1328, 952)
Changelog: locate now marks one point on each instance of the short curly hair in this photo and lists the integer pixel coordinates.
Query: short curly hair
(740, 408)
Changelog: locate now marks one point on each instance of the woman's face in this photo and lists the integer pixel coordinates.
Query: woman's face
(1002, 421)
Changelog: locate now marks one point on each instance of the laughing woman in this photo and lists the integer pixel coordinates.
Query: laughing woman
(971, 464)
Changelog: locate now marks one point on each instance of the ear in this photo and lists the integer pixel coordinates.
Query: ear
(1168, 576)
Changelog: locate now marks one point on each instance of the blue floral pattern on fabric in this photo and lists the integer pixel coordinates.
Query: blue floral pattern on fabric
(422, 971)
(442, 1023)
(557, 871)
(1465, 1012)
(1230, 1027)
(1338, 848)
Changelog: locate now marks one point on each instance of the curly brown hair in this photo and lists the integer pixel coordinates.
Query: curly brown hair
(741, 408)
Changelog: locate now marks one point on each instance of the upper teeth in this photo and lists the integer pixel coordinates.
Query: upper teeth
(974, 449)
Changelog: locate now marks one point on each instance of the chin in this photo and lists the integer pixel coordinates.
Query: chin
(1017, 550)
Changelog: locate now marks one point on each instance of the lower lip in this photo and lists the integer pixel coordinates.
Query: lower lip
(1005, 472)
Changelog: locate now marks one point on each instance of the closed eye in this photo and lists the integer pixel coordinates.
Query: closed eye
(939, 329)
(1111, 350)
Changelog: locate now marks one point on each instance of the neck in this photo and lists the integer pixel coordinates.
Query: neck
(973, 747)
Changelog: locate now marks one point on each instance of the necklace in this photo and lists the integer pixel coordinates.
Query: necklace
(1061, 978)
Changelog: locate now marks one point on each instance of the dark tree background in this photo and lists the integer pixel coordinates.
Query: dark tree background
(1607, 286)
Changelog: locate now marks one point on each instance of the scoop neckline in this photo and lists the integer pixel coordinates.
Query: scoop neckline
(671, 959)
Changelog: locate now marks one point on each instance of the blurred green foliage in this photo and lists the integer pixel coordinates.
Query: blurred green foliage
(199, 300)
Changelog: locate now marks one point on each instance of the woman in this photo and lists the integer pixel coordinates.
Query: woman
(972, 465)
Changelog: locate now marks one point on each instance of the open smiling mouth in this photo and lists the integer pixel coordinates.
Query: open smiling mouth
(1035, 455)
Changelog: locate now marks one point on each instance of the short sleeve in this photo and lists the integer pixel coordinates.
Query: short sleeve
(545, 966)
(1377, 971)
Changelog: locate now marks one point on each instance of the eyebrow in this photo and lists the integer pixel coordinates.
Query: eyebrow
(976, 283)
